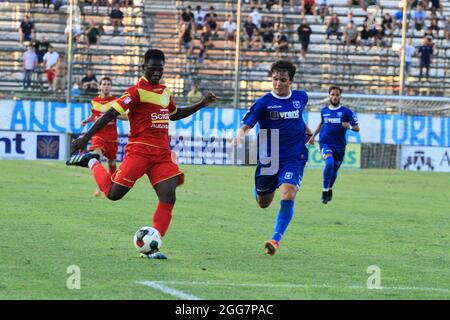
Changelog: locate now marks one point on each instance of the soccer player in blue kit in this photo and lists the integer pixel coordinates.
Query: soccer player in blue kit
(335, 121)
(279, 114)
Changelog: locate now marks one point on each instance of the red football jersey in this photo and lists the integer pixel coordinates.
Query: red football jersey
(149, 107)
(99, 107)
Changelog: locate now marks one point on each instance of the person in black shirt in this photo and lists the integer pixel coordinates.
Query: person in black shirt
(211, 21)
(89, 83)
(304, 33)
(426, 50)
(250, 33)
(266, 32)
(116, 16)
(26, 30)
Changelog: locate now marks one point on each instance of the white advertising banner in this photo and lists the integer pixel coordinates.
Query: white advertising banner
(33, 145)
(223, 122)
(425, 158)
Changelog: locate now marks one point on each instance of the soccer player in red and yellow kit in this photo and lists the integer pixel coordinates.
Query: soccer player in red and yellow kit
(150, 107)
(105, 141)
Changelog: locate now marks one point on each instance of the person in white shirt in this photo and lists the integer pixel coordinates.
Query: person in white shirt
(256, 17)
(199, 17)
(409, 52)
(50, 59)
(30, 61)
(230, 30)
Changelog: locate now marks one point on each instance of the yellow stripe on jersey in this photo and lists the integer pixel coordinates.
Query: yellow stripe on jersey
(101, 107)
(161, 99)
(117, 107)
(160, 121)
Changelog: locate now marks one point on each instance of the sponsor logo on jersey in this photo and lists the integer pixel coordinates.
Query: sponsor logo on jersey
(288, 175)
(274, 115)
(274, 107)
(333, 120)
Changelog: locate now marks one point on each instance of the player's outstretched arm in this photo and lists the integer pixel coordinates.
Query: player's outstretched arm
(349, 126)
(316, 132)
(182, 113)
(81, 142)
(241, 134)
(87, 120)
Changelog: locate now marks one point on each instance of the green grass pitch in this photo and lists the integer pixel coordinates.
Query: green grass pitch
(398, 221)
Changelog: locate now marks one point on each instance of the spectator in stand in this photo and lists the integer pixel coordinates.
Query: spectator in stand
(419, 16)
(211, 21)
(323, 9)
(436, 6)
(351, 35)
(194, 95)
(199, 17)
(447, 29)
(388, 24)
(30, 62)
(45, 3)
(266, 32)
(41, 48)
(89, 83)
(230, 30)
(256, 16)
(60, 74)
(371, 23)
(365, 36)
(116, 16)
(250, 33)
(348, 18)
(205, 43)
(398, 20)
(187, 17)
(50, 59)
(304, 33)
(409, 52)
(26, 30)
(76, 32)
(334, 27)
(308, 7)
(280, 44)
(187, 37)
(380, 41)
(433, 29)
(93, 35)
(57, 4)
(426, 51)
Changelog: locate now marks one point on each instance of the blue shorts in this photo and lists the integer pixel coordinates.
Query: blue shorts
(289, 172)
(338, 153)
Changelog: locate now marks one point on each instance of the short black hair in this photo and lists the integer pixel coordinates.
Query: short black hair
(105, 78)
(154, 54)
(283, 66)
(334, 88)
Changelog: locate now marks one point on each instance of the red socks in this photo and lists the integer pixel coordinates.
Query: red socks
(102, 178)
(162, 217)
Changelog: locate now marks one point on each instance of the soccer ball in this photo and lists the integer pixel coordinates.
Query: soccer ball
(147, 239)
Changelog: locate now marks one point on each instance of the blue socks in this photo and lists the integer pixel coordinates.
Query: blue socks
(284, 217)
(328, 173)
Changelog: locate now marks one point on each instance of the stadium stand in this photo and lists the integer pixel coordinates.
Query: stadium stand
(156, 23)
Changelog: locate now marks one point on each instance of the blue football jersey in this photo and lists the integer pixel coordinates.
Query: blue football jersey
(332, 132)
(286, 115)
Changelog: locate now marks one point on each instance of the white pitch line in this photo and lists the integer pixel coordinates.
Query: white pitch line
(206, 283)
(169, 291)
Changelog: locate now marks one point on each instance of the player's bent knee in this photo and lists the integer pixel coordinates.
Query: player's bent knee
(114, 196)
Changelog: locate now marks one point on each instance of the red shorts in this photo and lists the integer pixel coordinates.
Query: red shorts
(109, 149)
(157, 165)
(50, 75)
